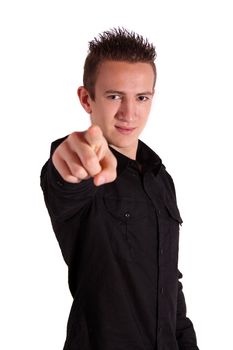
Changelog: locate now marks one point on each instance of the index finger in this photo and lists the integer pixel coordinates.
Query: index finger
(94, 137)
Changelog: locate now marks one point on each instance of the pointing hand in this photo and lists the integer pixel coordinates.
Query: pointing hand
(83, 155)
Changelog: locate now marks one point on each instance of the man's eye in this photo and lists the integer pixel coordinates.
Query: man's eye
(143, 98)
(114, 97)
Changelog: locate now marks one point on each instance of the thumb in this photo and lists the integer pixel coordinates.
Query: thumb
(108, 172)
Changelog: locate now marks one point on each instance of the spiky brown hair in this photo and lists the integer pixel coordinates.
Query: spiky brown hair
(117, 44)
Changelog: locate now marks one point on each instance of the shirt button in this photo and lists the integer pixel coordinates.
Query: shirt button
(161, 290)
(161, 251)
(127, 215)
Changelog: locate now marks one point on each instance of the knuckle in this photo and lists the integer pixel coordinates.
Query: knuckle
(67, 178)
(70, 139)
(55, 156)
(61, 151)
(73, 138)
(79, 172)
(57, 161)
(90, 162)
(71, 179)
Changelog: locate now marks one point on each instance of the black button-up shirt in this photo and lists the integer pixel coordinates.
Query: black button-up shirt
(120, 242)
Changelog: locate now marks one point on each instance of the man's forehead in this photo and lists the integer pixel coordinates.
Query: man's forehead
(122, 92)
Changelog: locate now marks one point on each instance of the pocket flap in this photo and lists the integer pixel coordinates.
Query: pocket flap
(174, 211)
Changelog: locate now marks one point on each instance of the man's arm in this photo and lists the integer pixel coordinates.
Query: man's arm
(78, 164)
(66, 177)
(185, 334)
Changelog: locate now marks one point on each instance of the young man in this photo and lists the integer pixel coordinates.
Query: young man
(113, 209)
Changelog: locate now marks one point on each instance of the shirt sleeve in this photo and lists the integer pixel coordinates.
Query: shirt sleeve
(64, 199)
(185, 334)
(66, 203)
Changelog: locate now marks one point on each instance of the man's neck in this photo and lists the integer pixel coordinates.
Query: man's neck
(130, 152)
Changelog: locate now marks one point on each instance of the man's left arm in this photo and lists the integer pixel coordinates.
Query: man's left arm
(185, 333)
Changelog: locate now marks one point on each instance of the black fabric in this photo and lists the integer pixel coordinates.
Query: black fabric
(120, 242)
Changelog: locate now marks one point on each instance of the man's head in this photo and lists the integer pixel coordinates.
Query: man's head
(119, 80)
(116, 45)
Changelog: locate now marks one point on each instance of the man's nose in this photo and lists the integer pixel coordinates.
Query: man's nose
(127, 111)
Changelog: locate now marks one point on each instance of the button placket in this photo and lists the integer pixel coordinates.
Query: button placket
(127, 216)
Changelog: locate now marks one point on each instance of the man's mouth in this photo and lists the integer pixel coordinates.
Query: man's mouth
(124, 130)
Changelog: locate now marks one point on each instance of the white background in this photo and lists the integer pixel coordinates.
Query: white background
(43, 46)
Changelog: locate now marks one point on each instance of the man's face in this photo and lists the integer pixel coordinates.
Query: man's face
(123, 97)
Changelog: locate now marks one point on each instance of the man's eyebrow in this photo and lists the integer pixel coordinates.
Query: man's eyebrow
(114, 92)
(117, 92)
(145, 93)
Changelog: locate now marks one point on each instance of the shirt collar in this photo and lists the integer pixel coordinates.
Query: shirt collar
(145, 156)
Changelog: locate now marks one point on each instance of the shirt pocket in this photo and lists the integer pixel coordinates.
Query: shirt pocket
(126, 218)
(173, 212)
(174, 221)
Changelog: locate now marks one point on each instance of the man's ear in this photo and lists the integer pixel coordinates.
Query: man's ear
(84, 98)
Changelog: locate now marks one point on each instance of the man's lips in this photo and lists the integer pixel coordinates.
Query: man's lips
(124, 130)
